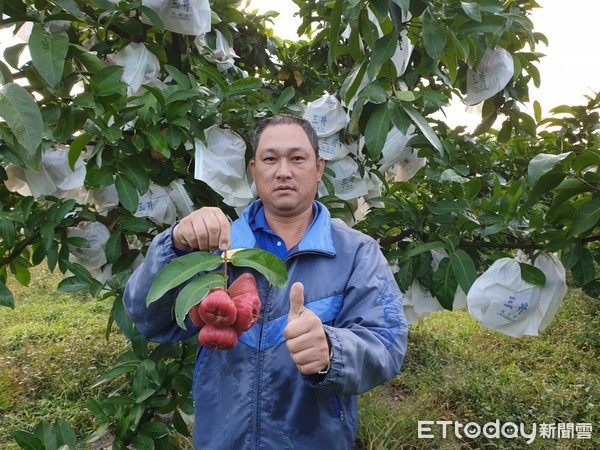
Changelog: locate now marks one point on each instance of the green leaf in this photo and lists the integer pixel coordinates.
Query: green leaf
(179, 271)
(586, 217)
(179, 424)
(71, 7)
(153, 17)
(6, 297)
(244, 86)
(266, 263)
(404, 4)
(286, 95)
(434, 36)
(7, 232)
(157, 140)
(374, 93)
(542, 164)
(180, 78)
(584, 270)
(194, 292)
(464, 269)
(444, 284)
(65, 435)
(447, 206)
(90, 61)
(377, 130)
(472, 10)
(48, 53)
(113, 247)
(136, 174)
(135, 224)
(73, 284)
(353, 81)
(398, 116)
(592, 289)
(384, 49)
(22, 115)
(127, 193)
(45, 433)
(424, 126)
(416, 248)
(532, 274)
(156, 429)
(27, 441)
(108, 81)
(335, 24)
(77, 147)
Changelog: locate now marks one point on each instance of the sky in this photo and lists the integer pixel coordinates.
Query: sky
(570, 69)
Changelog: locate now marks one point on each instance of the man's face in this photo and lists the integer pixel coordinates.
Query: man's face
(286, 170)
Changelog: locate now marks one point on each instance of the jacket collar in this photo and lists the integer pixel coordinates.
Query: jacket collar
(316, 239)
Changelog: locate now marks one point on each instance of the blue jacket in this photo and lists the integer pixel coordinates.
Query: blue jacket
(253, 396)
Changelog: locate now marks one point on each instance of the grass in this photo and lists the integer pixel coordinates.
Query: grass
(53, 348)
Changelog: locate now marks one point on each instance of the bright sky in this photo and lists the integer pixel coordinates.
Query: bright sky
(570, 69)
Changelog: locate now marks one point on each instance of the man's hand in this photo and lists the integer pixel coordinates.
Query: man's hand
(205, 229)
(306, 339)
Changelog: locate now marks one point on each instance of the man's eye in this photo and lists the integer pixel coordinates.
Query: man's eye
(298, 158)
(269, 159)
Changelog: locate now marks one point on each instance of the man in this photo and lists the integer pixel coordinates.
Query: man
(336, 330)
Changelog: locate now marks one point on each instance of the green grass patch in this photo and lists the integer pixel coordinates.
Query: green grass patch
(455, 370)
(53, 348)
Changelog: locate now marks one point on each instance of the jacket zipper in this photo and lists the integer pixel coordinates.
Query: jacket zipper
(337, 407)
(259, 371)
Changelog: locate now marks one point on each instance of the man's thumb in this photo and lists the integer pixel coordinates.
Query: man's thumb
(296, 301)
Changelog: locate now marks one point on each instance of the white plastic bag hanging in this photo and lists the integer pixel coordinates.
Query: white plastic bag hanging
(155, 4)
(16, 181)
(326, 115)
(156, 205)
(140, 66)
(348, 183)
(103, 198)
(183, 203)
(493, 73)
(555, 289)
(55, 162)
(39, 182)
(409, 164)
(97, 235)
(394, 147)
(224, 53)
(221, 165)
(502, 301)
(191, 17)
(405, 48)
(331, 148)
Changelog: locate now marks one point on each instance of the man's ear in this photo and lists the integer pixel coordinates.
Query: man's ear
(252, 163)
(320, 166)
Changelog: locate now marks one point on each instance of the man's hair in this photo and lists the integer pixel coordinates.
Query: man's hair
(287, 119)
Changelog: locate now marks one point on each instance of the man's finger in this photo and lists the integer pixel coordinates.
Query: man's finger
(224, 225)
(296, 301)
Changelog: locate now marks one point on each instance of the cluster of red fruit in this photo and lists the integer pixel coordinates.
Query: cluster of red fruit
(223, 316)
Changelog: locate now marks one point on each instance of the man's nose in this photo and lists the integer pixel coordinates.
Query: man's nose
(284, 169)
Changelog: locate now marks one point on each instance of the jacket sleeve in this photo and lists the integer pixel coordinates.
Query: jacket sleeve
(369, 336)
(156, 322)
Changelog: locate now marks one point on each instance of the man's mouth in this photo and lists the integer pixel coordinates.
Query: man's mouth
(284, 187)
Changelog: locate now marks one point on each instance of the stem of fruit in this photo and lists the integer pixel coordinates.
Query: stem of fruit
(225, 261)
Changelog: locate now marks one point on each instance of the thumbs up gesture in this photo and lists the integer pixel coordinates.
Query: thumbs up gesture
(306, 339)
